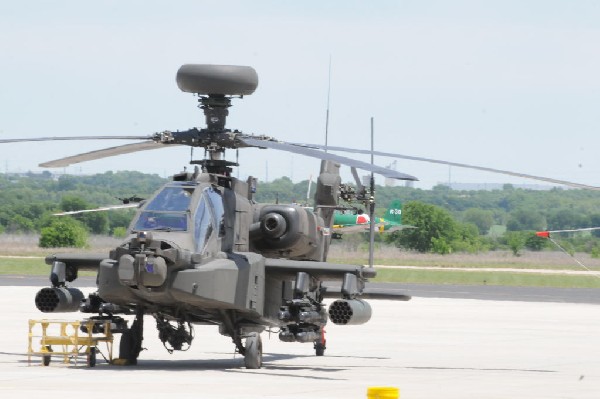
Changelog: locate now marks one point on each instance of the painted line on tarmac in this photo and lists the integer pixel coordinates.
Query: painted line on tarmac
(494, 269)
(21, 257)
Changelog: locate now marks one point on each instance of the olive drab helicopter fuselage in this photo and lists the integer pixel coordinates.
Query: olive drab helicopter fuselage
(201, 251)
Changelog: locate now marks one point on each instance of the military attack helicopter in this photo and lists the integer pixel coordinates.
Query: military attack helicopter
(202, 251)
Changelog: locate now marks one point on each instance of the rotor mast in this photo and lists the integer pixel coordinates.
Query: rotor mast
(215, 107)
(216, 110)
(216, 85)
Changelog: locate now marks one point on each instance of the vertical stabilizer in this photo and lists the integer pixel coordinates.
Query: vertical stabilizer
(394, 212)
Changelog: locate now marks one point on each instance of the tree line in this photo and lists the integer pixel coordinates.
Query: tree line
(27, 204)
(446, 220)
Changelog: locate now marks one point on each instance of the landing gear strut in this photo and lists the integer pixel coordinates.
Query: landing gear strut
(252, 351)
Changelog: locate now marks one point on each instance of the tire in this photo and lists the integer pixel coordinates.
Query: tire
(253, 356)
(127, 347)
(46, 360)
(91, 357)
(319, 349)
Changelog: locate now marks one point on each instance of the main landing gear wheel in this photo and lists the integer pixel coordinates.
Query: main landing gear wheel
(131, 342)
(253, 351)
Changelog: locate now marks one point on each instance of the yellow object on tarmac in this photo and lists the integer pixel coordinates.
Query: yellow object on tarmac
(383, 393)
(70, 339)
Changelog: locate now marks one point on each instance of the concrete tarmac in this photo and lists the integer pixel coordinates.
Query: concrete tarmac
(427, 347)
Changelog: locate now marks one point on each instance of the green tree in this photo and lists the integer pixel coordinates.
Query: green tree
(516, 241)
(467, 239)
(119, 232)
(70, 203)
(63, 232)
(120, 218)
(483, 219)
(595, 222)
(96, 222)
(66, 182)
(533, 242)
(566, 218)
(525, 219)
(20, 224)
(434, 228)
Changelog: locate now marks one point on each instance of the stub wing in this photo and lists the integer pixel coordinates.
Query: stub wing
(370, 293)
(332, 272)
(320, 270)
(78, 261)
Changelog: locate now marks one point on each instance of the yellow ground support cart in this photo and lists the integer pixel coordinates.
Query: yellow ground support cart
(70, 339)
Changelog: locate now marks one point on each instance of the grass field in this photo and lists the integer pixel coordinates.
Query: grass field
(340, 253)
(425, 276)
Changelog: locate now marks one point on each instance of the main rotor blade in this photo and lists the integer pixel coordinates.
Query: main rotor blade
(460, 165)
(104, 153)
(76, 138)
(104, 208)
(296, 149)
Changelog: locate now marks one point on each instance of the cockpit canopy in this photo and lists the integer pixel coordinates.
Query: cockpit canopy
(168, 211)
(180, 206)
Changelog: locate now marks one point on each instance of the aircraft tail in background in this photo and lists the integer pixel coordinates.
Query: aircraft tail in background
(394, 212)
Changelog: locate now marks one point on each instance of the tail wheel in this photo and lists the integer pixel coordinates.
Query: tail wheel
(320, 344)
(253, 351)
(319, 349)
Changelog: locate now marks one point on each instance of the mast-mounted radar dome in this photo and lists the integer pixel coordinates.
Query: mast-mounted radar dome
(229, 80)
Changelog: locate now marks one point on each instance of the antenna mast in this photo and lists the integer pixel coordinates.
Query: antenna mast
(372, 205)
(328, 96)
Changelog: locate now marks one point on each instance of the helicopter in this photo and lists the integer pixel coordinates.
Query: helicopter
(201, 251)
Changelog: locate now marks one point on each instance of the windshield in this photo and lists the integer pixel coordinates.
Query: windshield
(167, 211)
(208, 217)
(172, 198)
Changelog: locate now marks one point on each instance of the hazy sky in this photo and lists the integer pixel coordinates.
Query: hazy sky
(509, 84)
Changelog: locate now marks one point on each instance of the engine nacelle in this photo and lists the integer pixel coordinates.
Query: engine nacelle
(57, 300)
(349, 312)
(289, 231)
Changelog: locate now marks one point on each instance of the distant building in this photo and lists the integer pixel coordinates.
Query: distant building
(495, 186)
